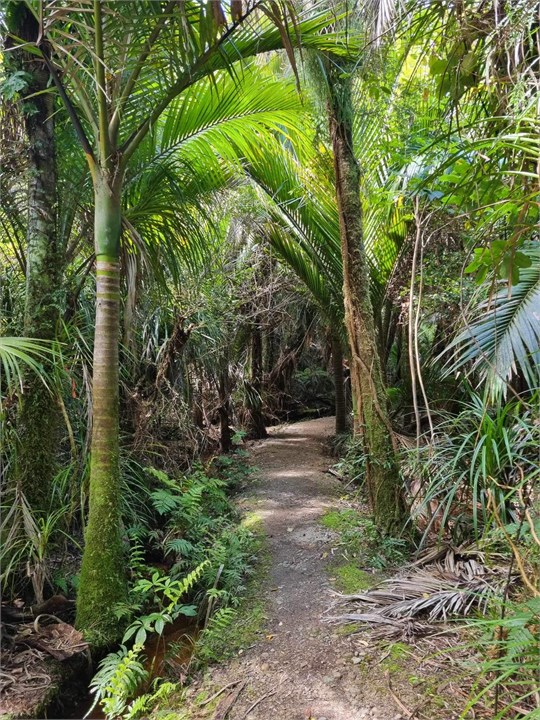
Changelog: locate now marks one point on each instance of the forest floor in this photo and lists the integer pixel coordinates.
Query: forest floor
(300, 667)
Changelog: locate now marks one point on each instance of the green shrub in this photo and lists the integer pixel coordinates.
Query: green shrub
(478, 460)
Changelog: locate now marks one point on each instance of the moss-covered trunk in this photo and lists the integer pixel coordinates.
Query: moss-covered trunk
(103, 579)
(339, 384)
(371, 420)
(39, 415)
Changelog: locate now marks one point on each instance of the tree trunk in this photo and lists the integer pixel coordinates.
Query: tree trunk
(339, 383)
(102, 581)
(371, 420)
(39, 416)
(224, 414)
(257, 428)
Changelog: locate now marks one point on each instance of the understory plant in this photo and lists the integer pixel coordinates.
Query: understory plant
(204, 554)
(474, 467)
(509, 674)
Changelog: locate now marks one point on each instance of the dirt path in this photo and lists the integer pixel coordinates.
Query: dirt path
(301, 668)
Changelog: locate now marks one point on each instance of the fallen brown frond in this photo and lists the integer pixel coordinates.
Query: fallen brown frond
(410, 605)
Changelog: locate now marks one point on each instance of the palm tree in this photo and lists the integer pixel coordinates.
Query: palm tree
(372, 421)
(504, 333)
(305, 232)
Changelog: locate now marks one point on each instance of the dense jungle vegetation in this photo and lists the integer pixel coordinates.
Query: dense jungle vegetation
(219, 216)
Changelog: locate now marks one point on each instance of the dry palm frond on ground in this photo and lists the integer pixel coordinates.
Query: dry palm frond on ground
(411, 604)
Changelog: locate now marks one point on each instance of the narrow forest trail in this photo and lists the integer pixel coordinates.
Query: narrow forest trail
(300, 668)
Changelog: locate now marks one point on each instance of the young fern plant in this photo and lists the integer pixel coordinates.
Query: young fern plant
(161, 589)
(120, 676)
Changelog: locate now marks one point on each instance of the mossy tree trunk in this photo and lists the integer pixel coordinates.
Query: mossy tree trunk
(371, 420)
(102, 581)
(39, 416)
(339, 383)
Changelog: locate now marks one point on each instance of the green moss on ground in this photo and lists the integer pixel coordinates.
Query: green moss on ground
(350, 578)
(340, 520)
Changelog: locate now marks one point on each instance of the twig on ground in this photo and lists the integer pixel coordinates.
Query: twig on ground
(257, 702)
(411, 714)
(216, 695)
(226, 704)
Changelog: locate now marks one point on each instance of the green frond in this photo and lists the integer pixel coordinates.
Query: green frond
(505, 335)
(16, 353)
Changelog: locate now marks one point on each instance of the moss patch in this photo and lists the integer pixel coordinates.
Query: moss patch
(340, 520)
(350, 578)
(398, 656)
(361, 539)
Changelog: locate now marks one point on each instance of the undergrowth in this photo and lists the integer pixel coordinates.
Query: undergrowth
(361, 543)
(190, 559)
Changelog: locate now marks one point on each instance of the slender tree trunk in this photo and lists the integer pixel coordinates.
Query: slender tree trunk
(339, 383)
(39, 418)
(102, 581)
(371, 420)
(224, 414)
(271, 350)
(258, 427)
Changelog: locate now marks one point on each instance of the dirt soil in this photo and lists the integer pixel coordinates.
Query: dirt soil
(302, 668)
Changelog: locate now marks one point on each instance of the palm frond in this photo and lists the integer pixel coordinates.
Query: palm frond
(412, 604)
(506, 334)
(17, 353)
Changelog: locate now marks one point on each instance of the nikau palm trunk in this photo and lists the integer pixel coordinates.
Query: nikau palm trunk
(371, 420)
(103, 582)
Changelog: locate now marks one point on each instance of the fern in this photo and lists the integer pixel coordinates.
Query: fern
(144, 703)
(119, 677)
(179, 546)
(221, 620)
(164, 501)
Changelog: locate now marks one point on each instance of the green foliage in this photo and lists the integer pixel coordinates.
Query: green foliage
(195, 524)
(360, 539)
(119, 677)
(510, 648)
(483, 454)
(164, 593)
(352, 464)
(505, 334)
(143, 704)
(18, 353)
(13, 84)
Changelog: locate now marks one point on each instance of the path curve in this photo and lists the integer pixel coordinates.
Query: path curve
(301, 668)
